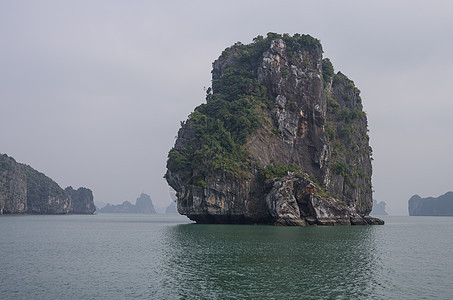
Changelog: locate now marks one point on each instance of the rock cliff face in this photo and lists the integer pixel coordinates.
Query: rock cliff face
(281, 140)
(81, 200)
(24, 190)
(440, 206)
(144, 204)
(13, 186)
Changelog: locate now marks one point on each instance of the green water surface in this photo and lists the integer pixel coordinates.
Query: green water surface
(127, 256)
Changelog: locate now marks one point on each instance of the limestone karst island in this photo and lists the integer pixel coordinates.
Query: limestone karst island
(281, 140)
(430, 206)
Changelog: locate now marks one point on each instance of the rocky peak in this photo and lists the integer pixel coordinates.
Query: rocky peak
(145, 204)
(81, 200)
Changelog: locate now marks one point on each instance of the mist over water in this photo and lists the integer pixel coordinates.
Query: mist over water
(164, 257)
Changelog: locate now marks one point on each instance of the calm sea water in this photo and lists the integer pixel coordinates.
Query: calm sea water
(126, 256)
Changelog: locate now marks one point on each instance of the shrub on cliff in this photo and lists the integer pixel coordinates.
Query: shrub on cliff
(231, 112)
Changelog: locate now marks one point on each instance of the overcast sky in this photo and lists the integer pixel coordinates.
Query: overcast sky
(92, 92)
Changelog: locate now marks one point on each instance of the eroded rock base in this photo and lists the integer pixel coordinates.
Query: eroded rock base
(212, 219)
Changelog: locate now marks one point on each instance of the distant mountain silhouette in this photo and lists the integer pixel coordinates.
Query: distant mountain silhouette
(379, 208)
(99, 204)
(440, 206)
(171, 209)
(143, 204)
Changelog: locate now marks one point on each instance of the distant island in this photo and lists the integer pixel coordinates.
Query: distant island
(171, 209)
(440, 206)
(379, 209)
(23, 190)
(99, 204)
(143, 204)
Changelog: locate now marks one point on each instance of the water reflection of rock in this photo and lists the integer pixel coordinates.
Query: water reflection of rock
(237, 262)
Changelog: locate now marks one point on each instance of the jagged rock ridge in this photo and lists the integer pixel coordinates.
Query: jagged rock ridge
(143, 204)
(23, 190)
(281, 140)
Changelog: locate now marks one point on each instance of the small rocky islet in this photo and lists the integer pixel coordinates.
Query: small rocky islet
(431, 206)
(143, 204)
(282, 139)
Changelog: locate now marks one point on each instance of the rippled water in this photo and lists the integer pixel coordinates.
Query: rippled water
(112, 256)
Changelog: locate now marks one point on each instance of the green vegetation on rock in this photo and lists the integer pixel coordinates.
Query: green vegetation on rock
(40, 188)
(277, 170)
(346, 130)
(327, 70)
(237, 105)
(231, 113)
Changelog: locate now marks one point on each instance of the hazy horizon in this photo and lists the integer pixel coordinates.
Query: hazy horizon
(92, 93)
